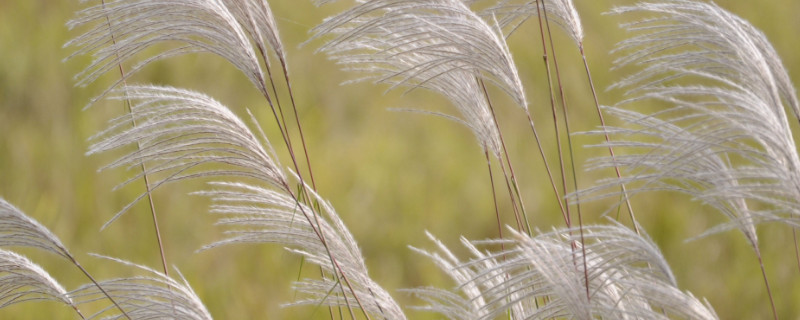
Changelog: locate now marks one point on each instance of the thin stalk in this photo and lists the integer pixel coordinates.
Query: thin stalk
(335, 264)
(284, 132)
(496, 209)
(583, 255)
(545, 57)
(297, 120)
(505, 174)
(494, 197)
(544, 159)
(79, 312)
(569, 142)
(563, 108)
(520, 226)
(322, 274)
(608, 141)
(766, 282)
(128, 108)
(379, 306)
(86, 273)
(280, 120)
(303, 192)
(287, 140)
(526, 227)
(547, 166)
(282, 125)
(796, 252)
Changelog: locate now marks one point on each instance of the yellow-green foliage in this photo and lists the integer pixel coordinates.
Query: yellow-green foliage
(390, 175)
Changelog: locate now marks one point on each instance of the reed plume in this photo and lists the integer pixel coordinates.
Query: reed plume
(720, 132)
(542, 277)
(711, 74)
(20, 279)
(184, 134)
(150, 296)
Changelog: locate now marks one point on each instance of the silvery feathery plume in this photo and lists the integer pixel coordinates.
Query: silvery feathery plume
(563, 12)
(720, 131)
(184, 134)
(180, 132)
(222, 27)
(725, 140)
(154, 296)
(18, 229)
(439, 45)
(476, 114)
(511, 14)
(22, 280)
(468, 300)
(542, 277)
(258, 215)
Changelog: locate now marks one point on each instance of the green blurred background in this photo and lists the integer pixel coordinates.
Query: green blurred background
(390, 175)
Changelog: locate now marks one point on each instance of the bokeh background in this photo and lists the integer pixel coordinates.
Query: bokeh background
(390, 175)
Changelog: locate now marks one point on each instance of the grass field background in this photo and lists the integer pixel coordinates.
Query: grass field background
(390, 175)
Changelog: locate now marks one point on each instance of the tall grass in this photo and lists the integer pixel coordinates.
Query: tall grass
(704, 114)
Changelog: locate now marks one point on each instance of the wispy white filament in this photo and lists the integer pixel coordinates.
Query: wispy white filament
(152, 296)
(718, 129)
(22, 280)
(543, 277)
(439, 45)
(122, 29)
(18, 229)
(184, 134)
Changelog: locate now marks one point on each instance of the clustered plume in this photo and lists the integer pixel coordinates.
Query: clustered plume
(541, 277)
(707, 142)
